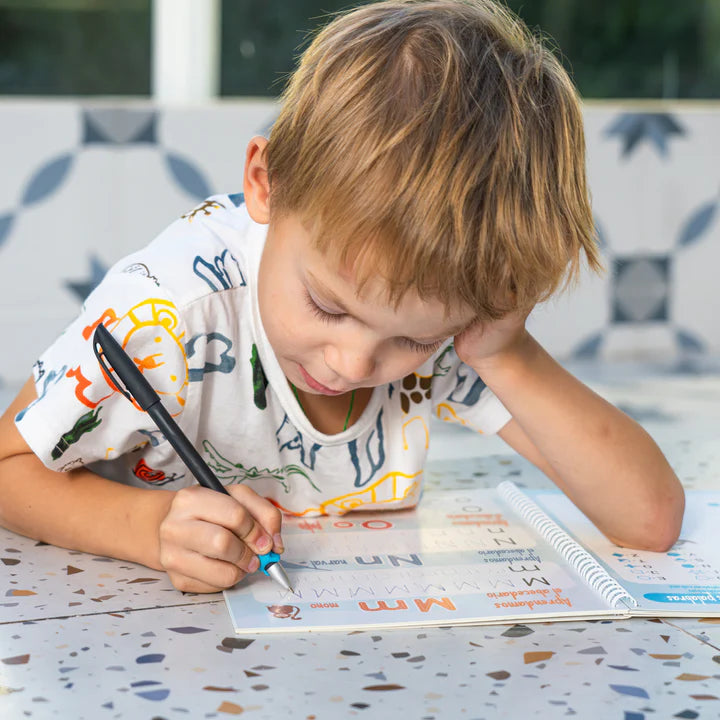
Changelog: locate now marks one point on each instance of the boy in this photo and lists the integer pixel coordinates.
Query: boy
(421, 191)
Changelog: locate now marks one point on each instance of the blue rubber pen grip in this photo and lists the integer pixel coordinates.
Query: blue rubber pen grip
(268, 559)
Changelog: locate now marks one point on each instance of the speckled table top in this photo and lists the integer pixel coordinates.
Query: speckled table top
(89, 637)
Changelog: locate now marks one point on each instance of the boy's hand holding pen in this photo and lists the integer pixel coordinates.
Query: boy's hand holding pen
(211, 536)
(209, 541)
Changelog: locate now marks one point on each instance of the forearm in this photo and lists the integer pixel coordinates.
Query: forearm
(81, 511)
(603, 460)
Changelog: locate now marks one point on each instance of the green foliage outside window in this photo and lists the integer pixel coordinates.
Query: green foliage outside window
(613, 48)
(75, 47)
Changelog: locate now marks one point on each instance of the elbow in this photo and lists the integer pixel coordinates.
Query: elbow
(662, 536)
(657, 524)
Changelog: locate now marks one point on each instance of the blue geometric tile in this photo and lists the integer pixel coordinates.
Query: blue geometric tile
(600, 234)
(689, 342)
(697, 224)
(640, 289)
(6, 222)
(118, 126)
(81, 289)
(655, 127)
(589, 349)
(188, 177)
(47, 179)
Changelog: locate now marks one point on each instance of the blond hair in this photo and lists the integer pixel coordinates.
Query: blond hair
(439, 144)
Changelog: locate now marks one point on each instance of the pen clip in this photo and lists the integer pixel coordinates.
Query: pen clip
(114, 380)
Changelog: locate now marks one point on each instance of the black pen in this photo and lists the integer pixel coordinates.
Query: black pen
(138, 388)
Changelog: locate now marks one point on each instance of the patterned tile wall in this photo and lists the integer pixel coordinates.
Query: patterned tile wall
(655, 181)
(84, 183)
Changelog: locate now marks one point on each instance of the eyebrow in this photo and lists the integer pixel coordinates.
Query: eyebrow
(327, 293)
(335, 300)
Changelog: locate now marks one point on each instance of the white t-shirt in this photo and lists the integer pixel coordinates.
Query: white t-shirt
(185, 308)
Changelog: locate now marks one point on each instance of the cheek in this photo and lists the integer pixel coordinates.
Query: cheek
(287, 321)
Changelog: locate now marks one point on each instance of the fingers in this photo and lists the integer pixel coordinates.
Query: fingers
(201, 575)
(266, 520)
(209, 540)
(251, 518)
(205, 539)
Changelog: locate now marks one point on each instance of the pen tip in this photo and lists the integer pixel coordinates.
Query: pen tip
(277, 572)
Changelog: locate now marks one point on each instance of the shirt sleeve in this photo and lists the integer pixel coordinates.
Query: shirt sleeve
(459, 395)
(78, 416)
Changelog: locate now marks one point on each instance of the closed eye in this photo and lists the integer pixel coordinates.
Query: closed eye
(322, 313)
(418, 347)
(334, 317)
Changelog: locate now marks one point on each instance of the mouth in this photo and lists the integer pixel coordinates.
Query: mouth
(313, 384)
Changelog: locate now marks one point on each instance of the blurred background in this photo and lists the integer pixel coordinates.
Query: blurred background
(614, 48)
(116, 116)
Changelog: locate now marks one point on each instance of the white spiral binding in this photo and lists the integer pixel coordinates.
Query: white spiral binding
(587, 567)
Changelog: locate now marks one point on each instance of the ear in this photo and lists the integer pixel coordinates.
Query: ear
(256, 186)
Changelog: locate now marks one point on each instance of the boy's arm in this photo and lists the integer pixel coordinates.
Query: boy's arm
(183, 532)
(598, 456)
(78, 509)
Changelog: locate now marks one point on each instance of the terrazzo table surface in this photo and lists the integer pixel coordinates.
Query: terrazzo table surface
(89, 637)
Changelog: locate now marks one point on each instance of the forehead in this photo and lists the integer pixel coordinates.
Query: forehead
(366, 251)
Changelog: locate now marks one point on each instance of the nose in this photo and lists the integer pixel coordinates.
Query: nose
(354, 362)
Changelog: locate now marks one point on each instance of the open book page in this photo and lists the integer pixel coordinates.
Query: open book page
(683, 581)
(461, 557)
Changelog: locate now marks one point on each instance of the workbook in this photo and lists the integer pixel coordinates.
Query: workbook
(478, 556)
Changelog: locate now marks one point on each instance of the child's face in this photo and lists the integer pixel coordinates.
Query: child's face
(327, 339)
